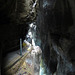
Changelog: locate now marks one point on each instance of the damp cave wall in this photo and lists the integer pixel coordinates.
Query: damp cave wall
(56, 32)
(15, 16)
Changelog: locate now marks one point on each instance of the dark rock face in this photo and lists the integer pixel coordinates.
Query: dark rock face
(14, 18)
(56, 28)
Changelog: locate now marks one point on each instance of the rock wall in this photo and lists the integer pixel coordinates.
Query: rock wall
(56, 28)
(14, 18)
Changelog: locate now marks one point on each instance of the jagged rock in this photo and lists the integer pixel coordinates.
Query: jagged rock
(56, 28)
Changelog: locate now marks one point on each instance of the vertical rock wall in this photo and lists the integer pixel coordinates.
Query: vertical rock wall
(14, 18)
(56, 28)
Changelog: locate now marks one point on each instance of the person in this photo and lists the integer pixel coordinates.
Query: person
(28, 46)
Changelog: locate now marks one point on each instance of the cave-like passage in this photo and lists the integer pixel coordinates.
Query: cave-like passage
(32, 64)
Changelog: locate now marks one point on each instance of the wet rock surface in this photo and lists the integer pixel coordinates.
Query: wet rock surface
(56, 28)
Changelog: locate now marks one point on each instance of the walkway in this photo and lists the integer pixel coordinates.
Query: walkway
(27, 67)
(27, 64)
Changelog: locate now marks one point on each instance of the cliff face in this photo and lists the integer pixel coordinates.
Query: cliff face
(56, 28)
(14, 18)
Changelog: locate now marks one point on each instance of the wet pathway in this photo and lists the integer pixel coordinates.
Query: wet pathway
(27, 67)
(31, 65)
